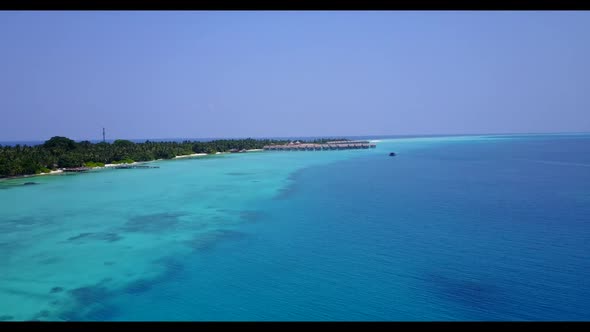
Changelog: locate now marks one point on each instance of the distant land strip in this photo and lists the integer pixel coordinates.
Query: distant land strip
(61, 153)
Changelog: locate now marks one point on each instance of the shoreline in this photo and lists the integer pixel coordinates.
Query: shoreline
(190, 155)
(106, 166)
(50, 173)
(58, 171)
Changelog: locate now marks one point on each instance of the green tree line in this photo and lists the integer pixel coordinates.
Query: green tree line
(62, 152)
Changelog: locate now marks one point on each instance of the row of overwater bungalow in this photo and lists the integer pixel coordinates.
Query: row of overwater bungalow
(334, 145)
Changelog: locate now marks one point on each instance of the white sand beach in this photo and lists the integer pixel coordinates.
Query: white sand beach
(115, 165)
(191, 155)
(52, 172)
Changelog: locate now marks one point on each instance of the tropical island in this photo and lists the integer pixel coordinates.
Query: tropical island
(61, 152)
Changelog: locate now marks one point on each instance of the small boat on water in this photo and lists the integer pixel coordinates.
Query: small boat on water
(392, 154)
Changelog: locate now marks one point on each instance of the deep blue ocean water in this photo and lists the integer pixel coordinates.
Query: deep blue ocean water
(474, 228)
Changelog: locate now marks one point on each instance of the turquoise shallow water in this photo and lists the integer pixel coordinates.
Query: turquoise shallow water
(459, 228)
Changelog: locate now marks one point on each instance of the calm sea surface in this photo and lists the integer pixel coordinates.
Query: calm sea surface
(457, 228)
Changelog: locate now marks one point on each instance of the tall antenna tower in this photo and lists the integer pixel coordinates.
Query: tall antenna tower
(103, 139)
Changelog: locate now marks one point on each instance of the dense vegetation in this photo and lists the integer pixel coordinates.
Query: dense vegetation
(62, 152)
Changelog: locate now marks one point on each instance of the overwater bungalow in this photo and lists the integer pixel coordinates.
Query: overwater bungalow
(332, 145)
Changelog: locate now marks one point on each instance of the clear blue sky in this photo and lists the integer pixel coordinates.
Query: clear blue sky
(253, 74)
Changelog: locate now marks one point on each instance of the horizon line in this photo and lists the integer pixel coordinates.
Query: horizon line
(321, 136)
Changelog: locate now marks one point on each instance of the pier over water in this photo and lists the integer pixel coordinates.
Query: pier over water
(333, 145)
